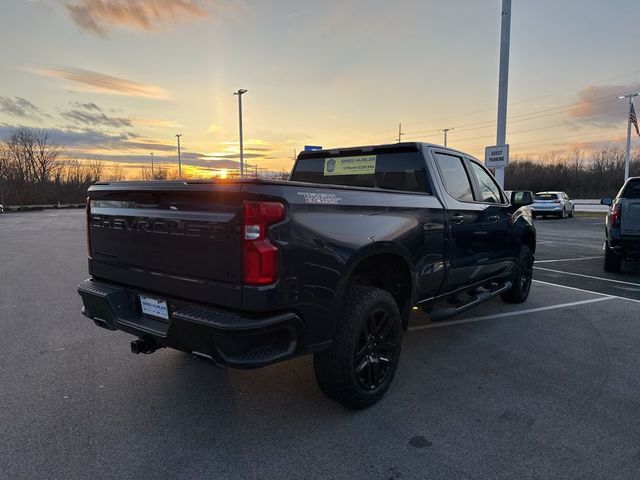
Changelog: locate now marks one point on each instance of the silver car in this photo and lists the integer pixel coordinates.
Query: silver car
(557, 204)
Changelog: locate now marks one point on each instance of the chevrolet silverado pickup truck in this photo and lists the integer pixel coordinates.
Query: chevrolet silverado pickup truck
(247, 273)
(622, 226)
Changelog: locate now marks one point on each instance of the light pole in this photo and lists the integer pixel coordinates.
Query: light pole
(178, 135)
(152, 175)
(445, 130)
(501, 134)
(239, 93)
(627, 158)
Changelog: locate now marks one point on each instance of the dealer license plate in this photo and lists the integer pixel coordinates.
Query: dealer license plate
(154, 307)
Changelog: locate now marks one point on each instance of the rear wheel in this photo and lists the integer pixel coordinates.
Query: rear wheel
(359, 366)
(612, 261)
(522, 278)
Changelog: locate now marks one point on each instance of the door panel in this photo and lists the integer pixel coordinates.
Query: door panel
(495, 220)
(468, 240)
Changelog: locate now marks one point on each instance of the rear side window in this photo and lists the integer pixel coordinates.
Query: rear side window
(546, 196)
(454, 176)
(404, 171)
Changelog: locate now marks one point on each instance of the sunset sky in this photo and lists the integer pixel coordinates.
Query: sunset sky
(116, 79)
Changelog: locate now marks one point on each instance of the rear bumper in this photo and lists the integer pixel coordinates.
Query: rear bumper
(536, 209)
(229, 338)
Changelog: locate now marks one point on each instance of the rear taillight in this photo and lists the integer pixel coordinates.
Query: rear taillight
(88, 211)
(259, 255)
(614, 215)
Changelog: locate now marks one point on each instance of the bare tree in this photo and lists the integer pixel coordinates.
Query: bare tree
(95, 168)
(32, 156)
(45, 159)
(117, 173)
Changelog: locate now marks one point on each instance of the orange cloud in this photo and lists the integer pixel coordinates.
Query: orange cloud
(97, 16)
(599, 104)
(101, 83)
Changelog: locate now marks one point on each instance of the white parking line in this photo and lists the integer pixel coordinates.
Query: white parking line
(589, 276)
(511, 314)
(567, 259)
(587, 291)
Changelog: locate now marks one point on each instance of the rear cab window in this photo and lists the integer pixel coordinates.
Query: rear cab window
(545, 196)
(402, 170)
(632, 190)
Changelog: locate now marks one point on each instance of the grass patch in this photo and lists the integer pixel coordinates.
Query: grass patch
(590, 214)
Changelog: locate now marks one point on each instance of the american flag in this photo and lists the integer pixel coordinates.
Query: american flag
(633, 119)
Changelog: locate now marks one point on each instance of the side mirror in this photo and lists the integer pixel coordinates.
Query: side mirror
(606, 201)
(521, 198)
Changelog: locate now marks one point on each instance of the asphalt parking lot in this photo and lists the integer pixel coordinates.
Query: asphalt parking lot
(546, 389)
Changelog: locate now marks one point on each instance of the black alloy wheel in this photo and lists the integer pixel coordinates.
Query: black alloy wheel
(375, 350)
(359, 366)
(522, 278)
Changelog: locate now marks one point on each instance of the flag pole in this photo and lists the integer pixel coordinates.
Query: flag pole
(627, 157)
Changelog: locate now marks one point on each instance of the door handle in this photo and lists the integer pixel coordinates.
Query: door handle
(457, 218)
(494, 218)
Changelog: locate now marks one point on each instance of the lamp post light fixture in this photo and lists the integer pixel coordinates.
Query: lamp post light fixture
(627, 158)
(445, 131)
(239, 93)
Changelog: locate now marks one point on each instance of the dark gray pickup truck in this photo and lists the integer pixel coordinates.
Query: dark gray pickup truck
(622, 226)
(251, 272)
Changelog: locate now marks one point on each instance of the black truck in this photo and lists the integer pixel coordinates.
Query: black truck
(247, 273)
(622, 226)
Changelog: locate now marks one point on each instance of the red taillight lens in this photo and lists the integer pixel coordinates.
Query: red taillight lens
(259, 255)
(88, 211)
(556, 201)
(614, 216)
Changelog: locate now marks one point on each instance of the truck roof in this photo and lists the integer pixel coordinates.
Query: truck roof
(386, 147)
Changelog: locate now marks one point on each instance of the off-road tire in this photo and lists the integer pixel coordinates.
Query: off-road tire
(335, 368)
(522, 278)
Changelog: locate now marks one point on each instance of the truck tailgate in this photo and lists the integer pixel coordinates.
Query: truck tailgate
(177, 239)
(630, 217)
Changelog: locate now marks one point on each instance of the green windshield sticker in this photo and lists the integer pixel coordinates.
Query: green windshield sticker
(361, 165)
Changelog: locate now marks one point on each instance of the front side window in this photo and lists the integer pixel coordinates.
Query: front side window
(489, 190)
(454, 176)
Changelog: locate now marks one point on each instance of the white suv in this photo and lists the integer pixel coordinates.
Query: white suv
(557, 204)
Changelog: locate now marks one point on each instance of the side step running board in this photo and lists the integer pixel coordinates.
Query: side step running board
(444, 312)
